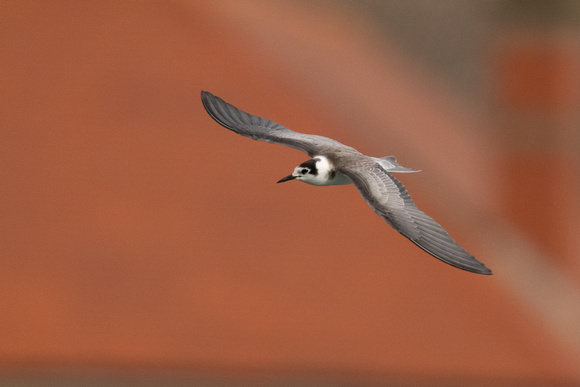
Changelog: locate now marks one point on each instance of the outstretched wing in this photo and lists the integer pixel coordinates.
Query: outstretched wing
(262, 129)
(390, 200)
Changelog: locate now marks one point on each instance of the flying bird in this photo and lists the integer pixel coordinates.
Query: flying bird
(333, 163)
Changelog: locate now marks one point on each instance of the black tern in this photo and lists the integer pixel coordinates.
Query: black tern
(333, 163)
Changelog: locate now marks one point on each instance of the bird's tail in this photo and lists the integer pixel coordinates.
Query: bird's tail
(390, 164)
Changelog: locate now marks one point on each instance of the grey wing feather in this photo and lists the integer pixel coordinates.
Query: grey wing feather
(390, 200)
(261, 129)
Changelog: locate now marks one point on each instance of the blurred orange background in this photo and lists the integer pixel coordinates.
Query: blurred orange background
(142, 243)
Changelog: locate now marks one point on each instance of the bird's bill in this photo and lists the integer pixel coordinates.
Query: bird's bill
(289, 177)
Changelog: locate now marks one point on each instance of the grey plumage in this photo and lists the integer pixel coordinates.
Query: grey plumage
(371, 176)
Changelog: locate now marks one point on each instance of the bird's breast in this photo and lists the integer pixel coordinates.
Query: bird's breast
(338, 178)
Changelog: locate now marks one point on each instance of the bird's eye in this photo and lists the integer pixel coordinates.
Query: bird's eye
(304, 171)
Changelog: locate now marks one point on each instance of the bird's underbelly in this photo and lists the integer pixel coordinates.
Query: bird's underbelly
(338, 179)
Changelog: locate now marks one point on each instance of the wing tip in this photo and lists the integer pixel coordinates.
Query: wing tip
(206, 96)
(473, 266)
(219, 110)
(478, 268)
(483, 271)
(207, 99)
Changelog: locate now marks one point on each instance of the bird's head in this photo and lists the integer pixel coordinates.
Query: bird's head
(310, 172)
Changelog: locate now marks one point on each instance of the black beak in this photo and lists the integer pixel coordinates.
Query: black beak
(289, 177)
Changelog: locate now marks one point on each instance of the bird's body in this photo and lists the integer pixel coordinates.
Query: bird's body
(333, 163)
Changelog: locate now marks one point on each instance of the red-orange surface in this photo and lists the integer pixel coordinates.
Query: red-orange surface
(136, 231)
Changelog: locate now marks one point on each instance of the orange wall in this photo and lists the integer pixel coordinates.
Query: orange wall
(138, 232)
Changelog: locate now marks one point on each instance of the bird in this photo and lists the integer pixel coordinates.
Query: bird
(333, 163)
